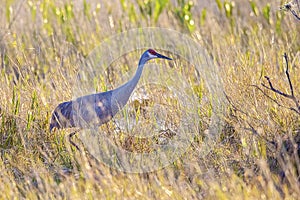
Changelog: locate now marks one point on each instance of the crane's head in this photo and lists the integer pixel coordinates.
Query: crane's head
(151, 54)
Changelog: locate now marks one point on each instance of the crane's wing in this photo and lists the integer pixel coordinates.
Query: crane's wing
(94, 109)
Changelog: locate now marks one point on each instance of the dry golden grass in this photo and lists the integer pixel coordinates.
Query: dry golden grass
(42, 45)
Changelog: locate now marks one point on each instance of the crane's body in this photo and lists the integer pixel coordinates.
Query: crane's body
(94, 109)
(99, 108)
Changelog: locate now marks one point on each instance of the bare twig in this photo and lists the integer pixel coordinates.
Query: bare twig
(289, 7)
(273, 89)
(269, 97)
(295, 14)
(289, 96)
(287, 73)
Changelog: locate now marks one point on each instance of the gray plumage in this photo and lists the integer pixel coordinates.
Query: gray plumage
(99, 108)
(94, 109)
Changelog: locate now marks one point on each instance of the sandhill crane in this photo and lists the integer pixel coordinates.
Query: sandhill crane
(100, 108)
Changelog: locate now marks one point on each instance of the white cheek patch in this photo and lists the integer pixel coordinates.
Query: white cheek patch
(151, 56)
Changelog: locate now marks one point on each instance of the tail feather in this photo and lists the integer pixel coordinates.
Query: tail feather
(62, 116)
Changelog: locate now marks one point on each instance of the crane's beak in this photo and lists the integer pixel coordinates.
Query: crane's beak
(163, 57)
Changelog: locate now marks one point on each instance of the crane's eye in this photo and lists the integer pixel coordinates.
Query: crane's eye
(151, 51)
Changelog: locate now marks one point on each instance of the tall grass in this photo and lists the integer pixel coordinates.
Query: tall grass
(42, 45)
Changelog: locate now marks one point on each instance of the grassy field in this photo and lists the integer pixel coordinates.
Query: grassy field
(44, 43)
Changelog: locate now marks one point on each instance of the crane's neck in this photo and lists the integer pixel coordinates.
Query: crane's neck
(128, 87)
(121, 94)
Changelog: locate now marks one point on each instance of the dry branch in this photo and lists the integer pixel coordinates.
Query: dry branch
(289, 96)
(289, 7)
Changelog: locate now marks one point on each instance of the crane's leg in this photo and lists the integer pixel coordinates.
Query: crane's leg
(118, 128)
(70, 139)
